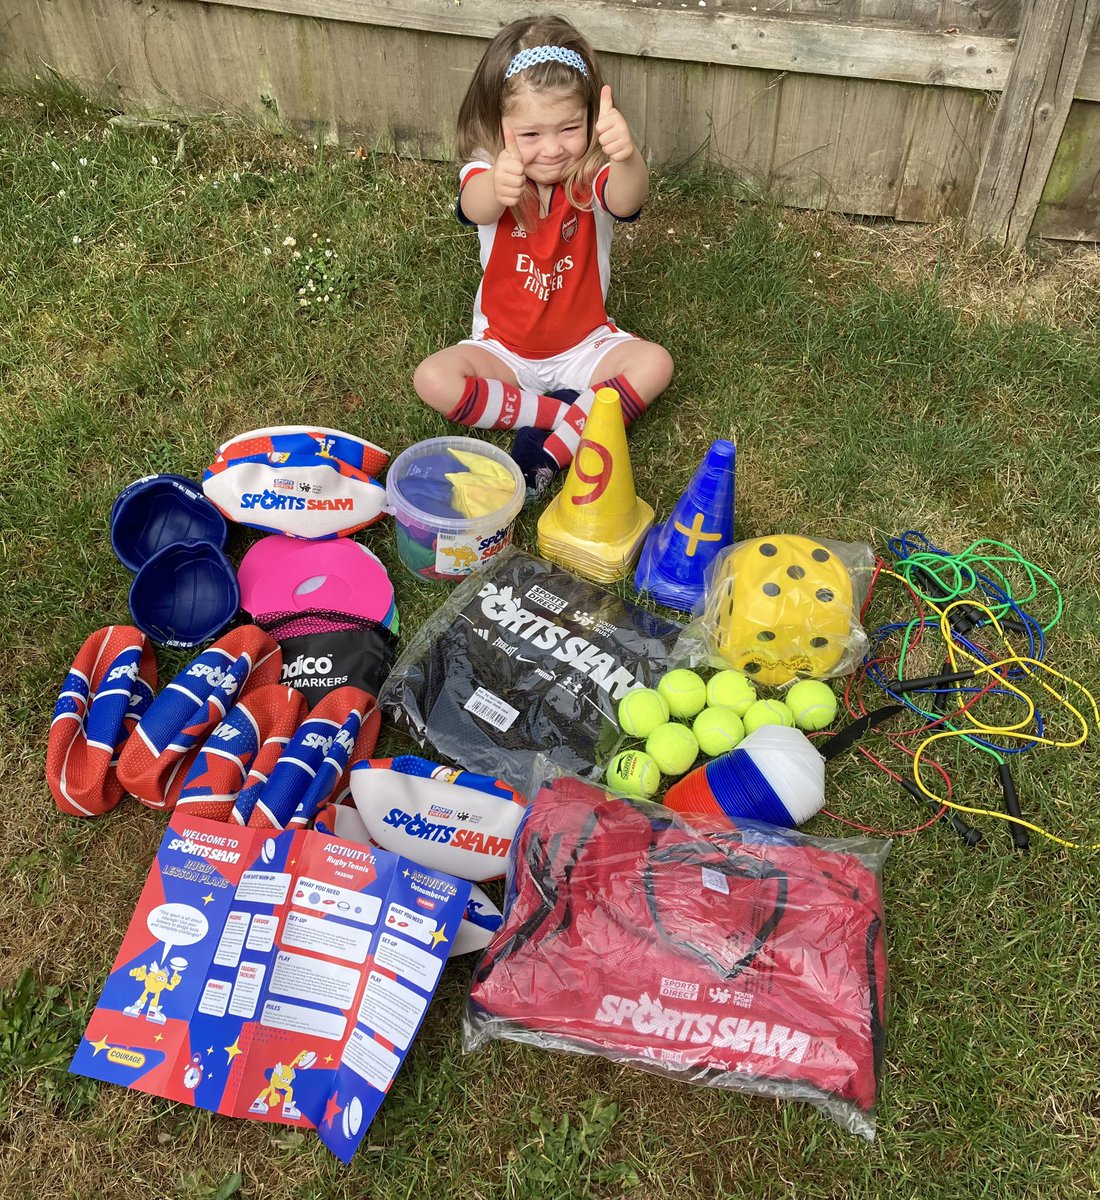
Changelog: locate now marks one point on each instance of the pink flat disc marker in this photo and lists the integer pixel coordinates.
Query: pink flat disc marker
(282, 574)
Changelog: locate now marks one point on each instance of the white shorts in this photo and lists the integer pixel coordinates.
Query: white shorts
(573, 368)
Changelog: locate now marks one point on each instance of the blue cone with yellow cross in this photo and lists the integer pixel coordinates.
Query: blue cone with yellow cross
(674, 561)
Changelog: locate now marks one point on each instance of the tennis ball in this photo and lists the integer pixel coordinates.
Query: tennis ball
(672, 747)
(634, 773)
(684, 692)
(641, 711)
(717, 730)
(812, 704)
(731, 689)
(767, 712)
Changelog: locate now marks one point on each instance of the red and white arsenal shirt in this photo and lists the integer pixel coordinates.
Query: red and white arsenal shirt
(543, 290)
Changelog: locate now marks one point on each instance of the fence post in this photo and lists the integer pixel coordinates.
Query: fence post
(1030, 118)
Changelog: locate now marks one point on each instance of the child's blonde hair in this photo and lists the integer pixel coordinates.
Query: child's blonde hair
(479, 132)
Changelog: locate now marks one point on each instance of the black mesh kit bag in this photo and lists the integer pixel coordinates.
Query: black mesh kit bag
(525, 657)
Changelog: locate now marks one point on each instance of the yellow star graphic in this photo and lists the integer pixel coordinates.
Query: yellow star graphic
(97, 1046)
(159, 1037)
(209, 1049)
(440, 935)
(329, 1058)
(208, 898)
(234, 1050)
(405, 872)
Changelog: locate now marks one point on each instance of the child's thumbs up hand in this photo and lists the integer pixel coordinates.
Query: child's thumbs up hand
(612, 130)
(509, 179)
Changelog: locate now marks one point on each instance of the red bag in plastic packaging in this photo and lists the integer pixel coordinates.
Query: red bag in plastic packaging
(751, 958)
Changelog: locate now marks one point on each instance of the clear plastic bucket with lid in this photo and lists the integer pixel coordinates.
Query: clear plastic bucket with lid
(454, 501)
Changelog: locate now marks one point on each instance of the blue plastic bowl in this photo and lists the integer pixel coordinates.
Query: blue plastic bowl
(158, 510)
(185, 594)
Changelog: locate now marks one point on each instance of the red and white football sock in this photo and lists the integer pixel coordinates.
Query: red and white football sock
(562, 444)
(493, 404)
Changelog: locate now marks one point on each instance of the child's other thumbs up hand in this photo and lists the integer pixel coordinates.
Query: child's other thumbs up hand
(509, 179)
(612, 130)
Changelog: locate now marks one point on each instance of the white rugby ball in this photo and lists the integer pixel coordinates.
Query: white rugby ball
(318, 500)
(314, 439)
(348, 824)
(444, 826)
(480, 923)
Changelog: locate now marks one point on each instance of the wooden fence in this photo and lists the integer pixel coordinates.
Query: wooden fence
(911, 109)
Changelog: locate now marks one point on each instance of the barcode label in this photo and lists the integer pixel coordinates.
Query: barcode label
(491, 708)
(715, 881)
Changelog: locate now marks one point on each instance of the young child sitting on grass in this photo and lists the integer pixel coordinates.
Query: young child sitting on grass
(550, 166)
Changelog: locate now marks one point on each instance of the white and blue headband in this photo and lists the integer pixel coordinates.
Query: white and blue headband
(534, 55)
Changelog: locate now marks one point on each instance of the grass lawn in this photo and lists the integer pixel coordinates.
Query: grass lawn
(876, 379)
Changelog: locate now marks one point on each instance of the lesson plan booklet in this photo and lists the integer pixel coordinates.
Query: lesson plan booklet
(274, 976)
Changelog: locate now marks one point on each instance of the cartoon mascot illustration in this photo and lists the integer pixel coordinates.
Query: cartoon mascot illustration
(281, 1086)
(157, 981)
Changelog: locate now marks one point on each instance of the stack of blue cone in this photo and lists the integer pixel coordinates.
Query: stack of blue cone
(674, 560)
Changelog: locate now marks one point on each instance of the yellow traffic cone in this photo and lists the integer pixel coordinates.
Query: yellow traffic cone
(596, 524)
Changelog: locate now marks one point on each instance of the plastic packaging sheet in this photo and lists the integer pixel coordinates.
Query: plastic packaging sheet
(783, 607)
(749, 958)
(525, 655)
